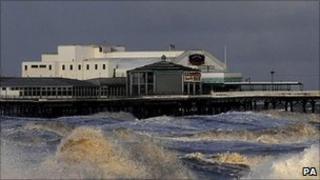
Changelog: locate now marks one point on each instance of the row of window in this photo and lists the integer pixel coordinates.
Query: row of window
(42, 66)
(63, 67)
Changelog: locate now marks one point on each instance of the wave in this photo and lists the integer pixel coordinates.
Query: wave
(57, 127)
(279, 114)
(289, 166)
(88, 153)
(228, 158)
(227, 164)
(114, 115)
(291, 133)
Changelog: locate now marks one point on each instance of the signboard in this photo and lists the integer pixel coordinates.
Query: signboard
(196, 59)
(192, 77)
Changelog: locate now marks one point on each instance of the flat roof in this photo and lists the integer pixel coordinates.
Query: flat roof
(265, 83)
(40, 81)
(108, 81)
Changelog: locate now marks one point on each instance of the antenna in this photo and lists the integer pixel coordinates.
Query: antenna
(225, 57)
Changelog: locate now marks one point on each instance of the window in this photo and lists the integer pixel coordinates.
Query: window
(71, 67)
(79, 67)
(96, 66)
(25, 67)
(43, 66)
(63, 67)
(34, 66)
(103, 66)
(3, 89)
(100, 49)
(50, 67)
(88, 67)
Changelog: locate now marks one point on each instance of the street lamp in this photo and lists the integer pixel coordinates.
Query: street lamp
(272, 73)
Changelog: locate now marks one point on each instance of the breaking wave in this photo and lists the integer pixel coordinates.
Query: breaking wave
(88, 153)
(293, 133)
(228, 158)
(289, 166)
(57, 127)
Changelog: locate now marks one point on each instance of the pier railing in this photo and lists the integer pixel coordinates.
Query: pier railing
(177, 105)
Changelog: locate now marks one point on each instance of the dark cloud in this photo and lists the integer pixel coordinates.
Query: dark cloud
(260, 36)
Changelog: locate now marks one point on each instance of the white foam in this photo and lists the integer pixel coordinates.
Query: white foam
(289, 166)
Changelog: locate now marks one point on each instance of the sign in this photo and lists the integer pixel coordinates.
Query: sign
(192, 76)
(309, 171)
(196, 59)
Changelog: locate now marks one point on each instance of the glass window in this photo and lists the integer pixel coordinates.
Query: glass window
(79, 67)
(71, 67)
(25, 67)
(103, 66)
(150, 77)
(34, 66)
(96, 66)
(88, 66)
(50, 67)
(63, 67)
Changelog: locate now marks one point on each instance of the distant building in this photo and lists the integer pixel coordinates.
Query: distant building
(96, 61)
(163, 78)
(61, 88)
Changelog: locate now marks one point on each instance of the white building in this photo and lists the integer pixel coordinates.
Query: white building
(95, 61)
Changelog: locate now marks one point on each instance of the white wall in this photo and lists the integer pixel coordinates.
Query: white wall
(40, 71)
(9, 93)
(50, 58)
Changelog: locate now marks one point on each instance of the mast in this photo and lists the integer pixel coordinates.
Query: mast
(225, 57)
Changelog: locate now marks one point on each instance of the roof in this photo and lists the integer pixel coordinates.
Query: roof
(265, 83)
(108, 81)
(163, 65)
(143, 54)
(40, 81)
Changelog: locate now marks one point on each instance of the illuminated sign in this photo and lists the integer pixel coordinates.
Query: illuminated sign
(196, 59)
(191, 76)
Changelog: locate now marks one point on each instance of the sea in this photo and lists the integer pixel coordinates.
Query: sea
(270, 144)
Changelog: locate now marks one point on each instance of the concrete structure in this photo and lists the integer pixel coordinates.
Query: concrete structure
(163, 78)
(97, 61)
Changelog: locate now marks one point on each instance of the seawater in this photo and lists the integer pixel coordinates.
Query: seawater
(232, 145)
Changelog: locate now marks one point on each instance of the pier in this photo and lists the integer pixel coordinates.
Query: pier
(172, 105)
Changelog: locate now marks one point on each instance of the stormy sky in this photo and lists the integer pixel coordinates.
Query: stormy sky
(261, 36)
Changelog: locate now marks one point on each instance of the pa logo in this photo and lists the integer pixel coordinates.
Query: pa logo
(309, 171)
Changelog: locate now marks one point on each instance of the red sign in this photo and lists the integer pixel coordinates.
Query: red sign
(192, 76)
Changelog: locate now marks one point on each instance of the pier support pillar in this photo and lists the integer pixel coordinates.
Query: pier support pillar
(312, 106)
(304, 106)
(291, 106)
(266, 105)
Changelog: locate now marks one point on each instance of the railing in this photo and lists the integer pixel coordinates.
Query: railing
(212, 95)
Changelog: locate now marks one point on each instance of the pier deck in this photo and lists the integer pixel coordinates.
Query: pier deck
(177, 105)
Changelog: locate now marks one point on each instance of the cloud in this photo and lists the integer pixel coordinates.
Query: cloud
(264, 35)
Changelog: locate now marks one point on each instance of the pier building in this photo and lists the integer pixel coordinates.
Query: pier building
(60, 88)
(163, 78)
(84, 62)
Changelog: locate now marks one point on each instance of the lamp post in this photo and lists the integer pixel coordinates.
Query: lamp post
(272, 73)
